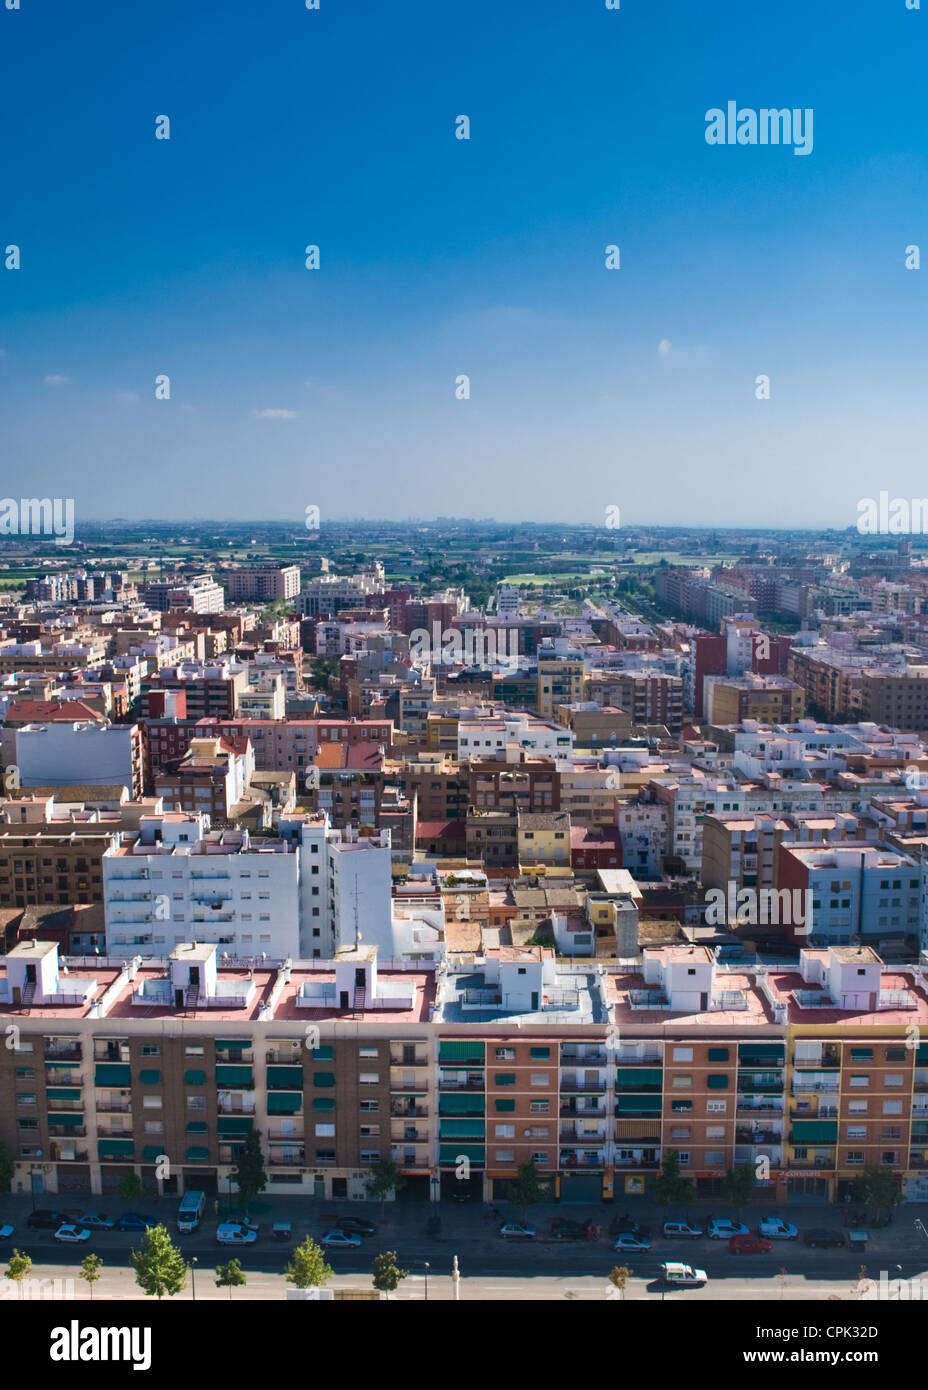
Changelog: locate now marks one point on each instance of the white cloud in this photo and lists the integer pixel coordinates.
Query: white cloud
(664, 347)
(126, 395)
(55, 380)
(275, 414)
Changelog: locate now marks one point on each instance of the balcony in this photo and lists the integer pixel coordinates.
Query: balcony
(398, 1112)
(591, 1056)
(64, 1105)
(758, 1136)
(122, 1132)
(284, 1056)
(471, 1084)
(573, 1083)
(572, 1160)
(226, 1107)
(569, 1110)
(817, 1088)
(288, 1158)
(766, 1109)
(765, 1082)
(830, 1061)
(638, 1163)
(400, 1058)
(66, 1131)
(113, 1107)
(750, 1153)
(104, 1053)
(63, 1052)
(635, 1059)
(65, 1077)
(574, 1134)
(67, 1156)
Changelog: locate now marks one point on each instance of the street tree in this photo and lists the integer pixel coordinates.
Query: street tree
(230, 1276)
(159, 1266)
(249, 1173)
(90, 1270)
(308, 1268)
(18, 1268)
(387, 1273)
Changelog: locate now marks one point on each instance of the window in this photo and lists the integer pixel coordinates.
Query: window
(195, 1102)
(718, 1054)
(502, 1106)
(715, 1158)
(682, 1081)
(368, 1052)
(541, 1078)
(860, 1080)
(683, 1054)
(370, 1155)
(683, 1159)
(369, 1078)
(505, 1054)
(681, 1132)
(325, 1131)
(893, 1078)
(857, 1107)
(540, 1157)
(370, 1106)
(890, 1157)
(716, 1107)
(152, 1103)
(505, 1078)
(715, 1131)
(539, 1054)
(718, 1081)
(681, 1106)
(194, 1050)
(892, 1107)
(504, 1156)
(150, 1050)
(857, 1131)
(536, 1107)
(855, 1156)
(861, 1054)
(154, 1127)
(505, 1131)
(891, 1132)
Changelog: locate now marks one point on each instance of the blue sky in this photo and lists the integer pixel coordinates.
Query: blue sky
(439, 257)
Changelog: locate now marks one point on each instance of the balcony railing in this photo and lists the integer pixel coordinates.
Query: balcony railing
(646, 1059)
(583, 1160)
(818, 1088)
(225, 1108)
(594, 1057)
(637, 1162)
(289, 1159)
(399, 1059)
(591, 1112)
(572, 1085)
(113, 1107)
(61, 1052)
(78, 1156)
(67, 1077)
(409, 1113)
(569, 1135)
(60, 1105)
(67, 1131)
(475, 1085)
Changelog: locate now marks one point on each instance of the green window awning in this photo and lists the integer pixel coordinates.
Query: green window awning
(113, 1074)
(501, 1107)
(63, 1093)
(72, 1120)
(463, 1129)
(539, 1054)
(197, 1155)
(814, 1132)
(233, 1044)
(761, 1052)
(195, 1078)
(150, 1078)
(449, 1104)
(152, 1152)
(234, 1124)
(284, 1102)
(323, 1078)
(284, 1078)
(322, 1054)
(196, 1127)
(323, 1103)
(921, 1056)
(717, 1082)
(505, 1078)
(639, 1077)
(718, 1054)
(450, 1153)
(631, 1104)
(116, 1148)
(458, 1050)
(227, 1075)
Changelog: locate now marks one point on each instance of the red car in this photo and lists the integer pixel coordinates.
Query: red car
(749, 1245)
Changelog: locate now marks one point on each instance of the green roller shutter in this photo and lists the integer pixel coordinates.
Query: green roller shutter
(921, 1055)
(234, 1124)
(196, 1127)
(115, 1148)
(718, 1054)
(323, 1103)
(285, 1078)
(71, 1120)
(626, 1105)
(761, 1052)
(450, 1153)
(322, 1054)
(814, 1132)
(152, 1152)
(718, 1082)
(503, 1106)
(233, 1044)
(323, 1078)
(456, 1050)
(234, 1076)
(284, 1102)
(113, 1074)
(505, 1078)
(195, 1078)
(63, 1093)
(150, 1078)
(460, 1105)
(638, 1077)
(461, 1128)
(197, 1155)
(539, 1054)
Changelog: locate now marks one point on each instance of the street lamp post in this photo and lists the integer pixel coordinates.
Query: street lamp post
(426, 1281)
(193, 1277)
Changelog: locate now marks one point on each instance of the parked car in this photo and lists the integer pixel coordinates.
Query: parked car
(356, 1227)
(749, 1245)
(725, 1229)
(562, 1229)
(71, 1235)
(775, 1228)
(95, 1221)
(235, 1233)
(6, 1232)
(340, 1240)
(625, 1226)
(683, 1276)
(632, 1243)
(44, 1220)
(514, 1230)
(819, 1237)
(681, 1230)
(132, 1221)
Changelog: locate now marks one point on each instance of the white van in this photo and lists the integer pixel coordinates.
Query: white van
(191, 1210)
(683, 1276)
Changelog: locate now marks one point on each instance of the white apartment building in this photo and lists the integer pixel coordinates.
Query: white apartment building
(481, 737)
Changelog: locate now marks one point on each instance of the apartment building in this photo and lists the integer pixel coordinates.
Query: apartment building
(514, 783)
(200, 594)
(83, 753)
(868, 891)
(495, 731)
(263, 583)
(768, 699)
(560, 681)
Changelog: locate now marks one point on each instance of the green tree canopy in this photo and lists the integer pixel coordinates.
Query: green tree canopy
(159, 1266)
(308, 1268)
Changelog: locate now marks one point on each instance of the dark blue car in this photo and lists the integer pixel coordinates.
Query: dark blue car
(131, 1221)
